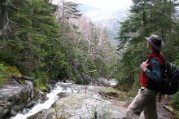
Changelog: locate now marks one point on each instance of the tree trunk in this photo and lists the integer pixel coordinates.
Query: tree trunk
(2, 14)
(144, 19)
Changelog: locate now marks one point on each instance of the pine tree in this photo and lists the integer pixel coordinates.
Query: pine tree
(3, 15)
(147, 17)
(31, 40)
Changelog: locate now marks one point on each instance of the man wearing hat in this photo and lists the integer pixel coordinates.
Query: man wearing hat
(151, 76)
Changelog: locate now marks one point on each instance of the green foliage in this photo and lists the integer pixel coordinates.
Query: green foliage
(128, 67)
(31, 43)
(2, 67)
(81, 64)
(13, 70)
(71, 10)
(2, 75)
(38, 46)
(1, 80)
(148, 17)
(41, 78)
(175, 101)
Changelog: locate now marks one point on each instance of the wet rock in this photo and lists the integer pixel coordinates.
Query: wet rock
(14, 97)
(83, 104)
(108, 83)
(42, 95)
(62, 94)
(44, 114)
(109, 94)
(31, 104)
(51, 84)
(13, 112)
(29, 83)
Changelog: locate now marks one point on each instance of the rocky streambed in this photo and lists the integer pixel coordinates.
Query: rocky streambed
(78, 102)
(65, 101)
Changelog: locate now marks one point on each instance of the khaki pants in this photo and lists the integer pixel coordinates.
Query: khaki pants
(144, 101)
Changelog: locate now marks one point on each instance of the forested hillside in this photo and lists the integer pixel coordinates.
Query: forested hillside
(147, 17)
(87, 48)
(52, 42)
(56, 42)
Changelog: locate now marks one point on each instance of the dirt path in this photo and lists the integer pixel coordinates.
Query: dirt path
(162, 112)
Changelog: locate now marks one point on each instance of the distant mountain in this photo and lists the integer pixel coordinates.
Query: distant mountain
(105, 19)
(112, 22)
(84, 8)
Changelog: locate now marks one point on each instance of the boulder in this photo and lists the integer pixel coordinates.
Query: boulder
(14, 97)
(84, 102)
(44, 114)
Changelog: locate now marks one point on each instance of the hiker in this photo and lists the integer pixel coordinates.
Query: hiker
(145, 100)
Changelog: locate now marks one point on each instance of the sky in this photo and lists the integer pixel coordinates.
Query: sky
(106, 4)
(103, 4)
(102, 8)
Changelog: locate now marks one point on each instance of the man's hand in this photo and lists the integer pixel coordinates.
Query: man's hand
(143, 66)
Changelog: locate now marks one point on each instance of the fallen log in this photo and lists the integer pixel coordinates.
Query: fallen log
(171, 110)
(168, 108)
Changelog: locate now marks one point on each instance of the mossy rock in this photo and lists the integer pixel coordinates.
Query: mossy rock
(109, 92)
(110, 89)
(2, 81)
(13, 70)
(3, 75)
(43, 88)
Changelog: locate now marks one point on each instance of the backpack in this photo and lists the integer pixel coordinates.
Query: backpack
(170, 78)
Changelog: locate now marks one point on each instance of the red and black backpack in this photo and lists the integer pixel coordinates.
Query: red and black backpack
(169, 83)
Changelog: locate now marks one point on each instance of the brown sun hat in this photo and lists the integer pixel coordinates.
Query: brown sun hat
(156, 42)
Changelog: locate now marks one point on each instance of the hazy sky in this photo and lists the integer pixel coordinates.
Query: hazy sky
(104, 4)
(102, 8)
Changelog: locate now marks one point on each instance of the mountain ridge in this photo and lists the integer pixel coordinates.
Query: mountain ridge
(109, 19)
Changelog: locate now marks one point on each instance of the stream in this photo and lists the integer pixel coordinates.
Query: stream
(79, 101)
(51, 99)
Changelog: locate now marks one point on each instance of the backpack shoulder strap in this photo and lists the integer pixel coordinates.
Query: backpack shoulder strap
(159, 60)
(161, 63)
(158, 56)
